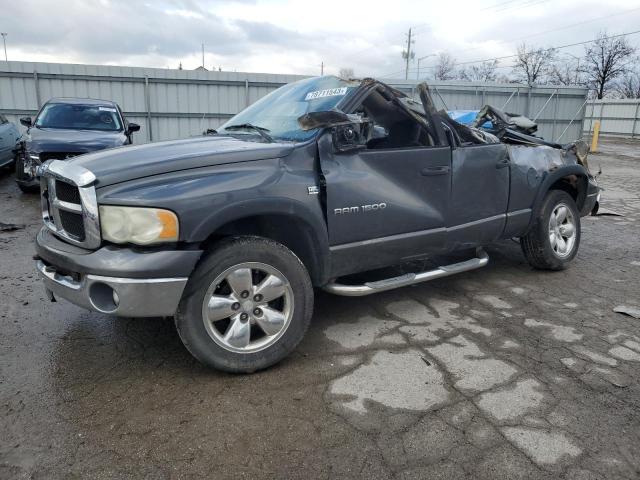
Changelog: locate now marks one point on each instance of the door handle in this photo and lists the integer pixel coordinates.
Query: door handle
(503, 163)
(440, 170)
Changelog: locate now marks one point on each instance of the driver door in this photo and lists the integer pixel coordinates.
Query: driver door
(387, 203)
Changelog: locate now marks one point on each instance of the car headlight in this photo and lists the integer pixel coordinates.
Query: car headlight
(142, 226)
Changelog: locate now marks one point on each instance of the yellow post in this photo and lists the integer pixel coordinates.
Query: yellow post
(594, 138)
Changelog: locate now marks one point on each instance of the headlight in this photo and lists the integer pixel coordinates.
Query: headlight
(143, 226)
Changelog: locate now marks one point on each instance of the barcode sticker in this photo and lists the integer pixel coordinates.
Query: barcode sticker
(329, 92)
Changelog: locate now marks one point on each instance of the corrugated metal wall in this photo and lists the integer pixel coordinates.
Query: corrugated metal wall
(168, 104)
(617, 117)
(171, 104)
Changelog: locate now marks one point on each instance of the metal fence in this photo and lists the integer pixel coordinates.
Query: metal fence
(167, 104)
(617, 117)
(557, 110)
(171, 104)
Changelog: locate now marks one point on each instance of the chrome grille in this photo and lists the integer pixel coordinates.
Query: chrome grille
(69, 204)
(72, 223)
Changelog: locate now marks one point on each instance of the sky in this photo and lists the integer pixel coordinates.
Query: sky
(280, 36)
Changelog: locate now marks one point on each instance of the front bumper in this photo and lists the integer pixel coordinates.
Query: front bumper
(117, 281)
(124, 297)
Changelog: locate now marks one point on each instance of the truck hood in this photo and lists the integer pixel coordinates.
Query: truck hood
(131, 162)
(77, 141)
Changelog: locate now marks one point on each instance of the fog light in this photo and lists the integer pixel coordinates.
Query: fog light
(103, 297)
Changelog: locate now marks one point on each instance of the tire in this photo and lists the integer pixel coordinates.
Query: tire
(22, 179)
(542, 246)
(287, 317)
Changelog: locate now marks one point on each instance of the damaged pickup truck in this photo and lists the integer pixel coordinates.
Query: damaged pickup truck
(319, 180)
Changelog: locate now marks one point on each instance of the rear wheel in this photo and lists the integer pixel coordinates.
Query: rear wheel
(554, 239)
(246, 306)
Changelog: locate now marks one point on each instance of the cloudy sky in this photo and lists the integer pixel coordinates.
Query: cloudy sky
(281, 36)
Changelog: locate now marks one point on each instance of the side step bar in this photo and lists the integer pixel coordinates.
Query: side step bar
(408, 279)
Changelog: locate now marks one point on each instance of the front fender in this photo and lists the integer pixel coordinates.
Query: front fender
(207, 199)
(255, 208)
(299, 224)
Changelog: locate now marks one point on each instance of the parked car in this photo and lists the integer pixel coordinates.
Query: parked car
(321, 179)
(9, 135)
(65, 128)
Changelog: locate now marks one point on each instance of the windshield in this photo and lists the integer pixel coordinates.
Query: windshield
(279, 111)
(79, 117)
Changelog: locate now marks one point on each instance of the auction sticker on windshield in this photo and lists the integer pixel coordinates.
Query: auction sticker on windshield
(328, 92)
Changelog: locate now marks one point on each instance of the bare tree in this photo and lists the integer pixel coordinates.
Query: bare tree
(485, 72)
(533, 64)
(565, 72)
(629, 85)
(445, 68)
(346, 73)
(606, 59)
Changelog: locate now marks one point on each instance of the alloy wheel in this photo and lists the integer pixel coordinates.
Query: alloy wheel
(562, 230)
(248, 307)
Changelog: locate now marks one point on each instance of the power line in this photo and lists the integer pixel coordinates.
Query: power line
(566, 27)
(420, 26)
(608, 37)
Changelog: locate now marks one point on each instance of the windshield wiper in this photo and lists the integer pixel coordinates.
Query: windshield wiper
(249, 126)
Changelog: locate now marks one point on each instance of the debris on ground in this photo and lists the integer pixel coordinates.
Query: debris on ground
(10, 227)
(626, 310)
(605, 212)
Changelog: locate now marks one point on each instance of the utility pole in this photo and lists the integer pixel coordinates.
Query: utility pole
(408, 55)
(4, 41)
(203, 55)
(322, 68)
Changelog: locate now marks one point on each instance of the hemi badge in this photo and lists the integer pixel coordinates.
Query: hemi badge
(313, 190)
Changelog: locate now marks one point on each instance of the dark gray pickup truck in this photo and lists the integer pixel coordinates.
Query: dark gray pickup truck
(318, 181)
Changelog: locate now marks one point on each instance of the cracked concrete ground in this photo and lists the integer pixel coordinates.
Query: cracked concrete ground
(504, 372)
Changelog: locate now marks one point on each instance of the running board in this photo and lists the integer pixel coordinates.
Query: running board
(408, 279)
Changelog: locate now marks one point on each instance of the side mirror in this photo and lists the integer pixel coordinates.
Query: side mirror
(349, 137)
(133, 127)
(26, 121)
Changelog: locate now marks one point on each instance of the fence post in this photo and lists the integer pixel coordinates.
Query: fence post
(601, 113)
(635, 120)
(555, 116)
(527, 109)
(37, 87)
(246, 92)
(147, 97)
(594, 138)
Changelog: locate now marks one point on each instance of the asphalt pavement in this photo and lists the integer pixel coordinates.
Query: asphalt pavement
(503, 372)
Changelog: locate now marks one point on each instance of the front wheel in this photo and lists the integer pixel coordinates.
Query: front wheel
(554, 238)
(246, 306)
